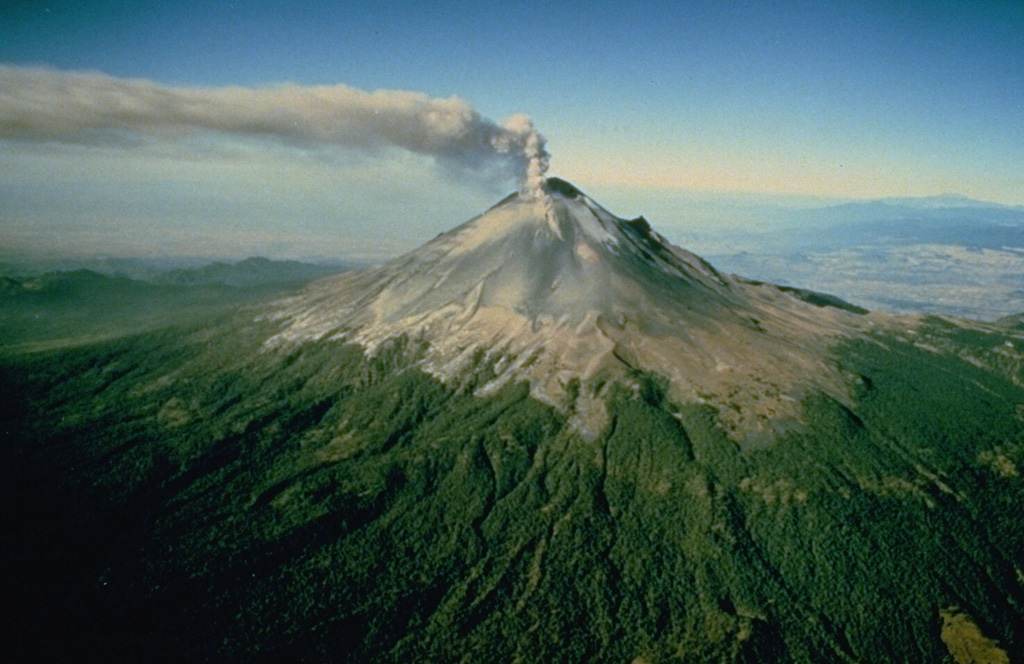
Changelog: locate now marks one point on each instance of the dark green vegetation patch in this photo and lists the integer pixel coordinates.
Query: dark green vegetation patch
(184, 496)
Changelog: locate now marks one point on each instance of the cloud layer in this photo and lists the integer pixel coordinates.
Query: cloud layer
(42, 104)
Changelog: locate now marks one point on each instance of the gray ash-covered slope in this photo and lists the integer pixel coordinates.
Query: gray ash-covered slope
(553, 289)
(547, 435)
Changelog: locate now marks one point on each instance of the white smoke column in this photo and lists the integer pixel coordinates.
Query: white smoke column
(42, 104)
(525, 140)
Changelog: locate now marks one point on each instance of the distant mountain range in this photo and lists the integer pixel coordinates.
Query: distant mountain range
(946, 202)
(931, 220)
(167, 270)
(82, 303)
(249, 273)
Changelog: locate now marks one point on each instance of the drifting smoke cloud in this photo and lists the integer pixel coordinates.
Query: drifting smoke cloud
(40, 104)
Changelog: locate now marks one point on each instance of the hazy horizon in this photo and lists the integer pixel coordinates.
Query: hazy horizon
(684, 217)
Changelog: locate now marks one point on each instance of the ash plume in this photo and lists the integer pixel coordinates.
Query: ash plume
(43, 104)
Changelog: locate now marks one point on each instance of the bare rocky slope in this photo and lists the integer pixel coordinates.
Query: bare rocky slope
(547, 435)
(553, 289)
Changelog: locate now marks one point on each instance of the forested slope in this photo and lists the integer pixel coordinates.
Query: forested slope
(183, 496)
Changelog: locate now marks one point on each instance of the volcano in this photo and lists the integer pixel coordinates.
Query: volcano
(546, 435)
(554, 290)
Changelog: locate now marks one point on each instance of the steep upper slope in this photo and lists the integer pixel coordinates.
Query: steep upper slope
(556, 290)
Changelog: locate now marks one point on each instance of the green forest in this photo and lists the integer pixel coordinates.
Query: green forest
(187, 495)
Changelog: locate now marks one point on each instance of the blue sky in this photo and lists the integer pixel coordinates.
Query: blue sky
(642, 103)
